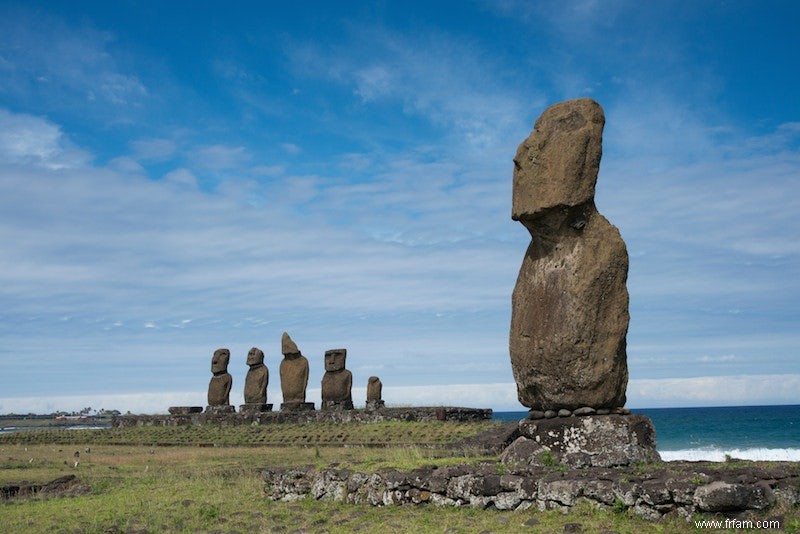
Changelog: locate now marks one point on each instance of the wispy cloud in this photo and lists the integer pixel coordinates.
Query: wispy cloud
(67, 68)
(29, 140)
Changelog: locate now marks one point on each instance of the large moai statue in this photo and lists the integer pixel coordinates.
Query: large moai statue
(255, 383)
(337, 383)
(219, 388)
(569, 317)
(294, 376)
(374, 391)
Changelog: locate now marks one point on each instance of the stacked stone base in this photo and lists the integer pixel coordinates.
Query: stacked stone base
(337, 405)
(665, 490)
(255, 408)
(584, 441)
(297, 406)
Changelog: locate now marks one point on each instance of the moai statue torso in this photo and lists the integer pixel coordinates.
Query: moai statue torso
(219, 388)
(255, 384)
(374, 390)
(337, 384)
(294, 376)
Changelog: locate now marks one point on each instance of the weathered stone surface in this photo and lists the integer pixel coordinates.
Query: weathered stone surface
(219, 388)
(374, 388)
(374, 392)
(252, 408)
(257, 379)
(294, 373)
(337, 383)
(569, 316)
(651, 494)
(297, 406)
(725, 497)
(184, 410)
(221, 409)
(591, 440)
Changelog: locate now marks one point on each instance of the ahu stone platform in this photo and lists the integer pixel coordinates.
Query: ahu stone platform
(421, 414)
(667, 489)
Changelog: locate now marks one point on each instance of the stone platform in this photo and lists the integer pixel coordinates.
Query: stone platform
(653, 491)
(584, 441)
(421, 414)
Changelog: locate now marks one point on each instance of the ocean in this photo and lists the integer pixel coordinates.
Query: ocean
(743, 432)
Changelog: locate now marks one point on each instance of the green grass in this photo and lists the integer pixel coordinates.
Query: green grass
(319, 434)
(199, 489)
(190, 488)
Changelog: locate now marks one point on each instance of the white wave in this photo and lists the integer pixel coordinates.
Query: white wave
(719, 455)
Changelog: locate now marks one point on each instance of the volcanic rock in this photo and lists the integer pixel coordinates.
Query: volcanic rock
(569, 317)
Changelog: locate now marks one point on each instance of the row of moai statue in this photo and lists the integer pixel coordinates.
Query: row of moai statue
(337, 383)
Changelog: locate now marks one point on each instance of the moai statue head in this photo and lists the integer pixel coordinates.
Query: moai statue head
(289, 347)
(255, 357)
(335, 360)
(219, 362)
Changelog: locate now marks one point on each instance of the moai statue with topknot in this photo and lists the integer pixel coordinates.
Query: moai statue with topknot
(219, 389)
(294, 376)
(255, 384)
(337, 383)
(374, 389)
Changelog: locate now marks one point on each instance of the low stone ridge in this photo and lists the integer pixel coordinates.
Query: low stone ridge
(66, 486)
(492, 441)
(419, 414)
(679, 489)
(584, 441)
(184, 410)
(569, 310)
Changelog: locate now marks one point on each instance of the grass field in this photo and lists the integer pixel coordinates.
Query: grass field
(141, 487)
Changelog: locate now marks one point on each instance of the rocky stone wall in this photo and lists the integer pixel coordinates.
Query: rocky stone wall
(421, 414)
(652, 492)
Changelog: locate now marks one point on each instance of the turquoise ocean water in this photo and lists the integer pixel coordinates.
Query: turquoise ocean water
(746, 432)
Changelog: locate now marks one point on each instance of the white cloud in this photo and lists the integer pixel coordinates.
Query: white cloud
(743, 390)
(291, 148)
(751, 390)
(66, 68)
(449, 82)
(25, 139)
(219, 157)
(182, 177)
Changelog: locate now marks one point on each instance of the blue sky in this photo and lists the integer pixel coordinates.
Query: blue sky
(176, 180)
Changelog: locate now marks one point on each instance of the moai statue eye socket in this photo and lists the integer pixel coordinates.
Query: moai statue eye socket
(335, 359)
